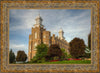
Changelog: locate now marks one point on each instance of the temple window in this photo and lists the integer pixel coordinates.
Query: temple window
(44, 36)
(35, 35)
(44, 42)
(35, 46)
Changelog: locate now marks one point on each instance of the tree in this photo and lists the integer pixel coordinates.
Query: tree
(40, 54)
(87, 52)
(11, 56)
(89, 40)
(54, 50)
(77, 47)
(41, 51)
(64, 52)
(21, 56)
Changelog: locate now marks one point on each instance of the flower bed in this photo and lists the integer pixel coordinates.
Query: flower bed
(67, 59)
(73, 59)
(54, 60)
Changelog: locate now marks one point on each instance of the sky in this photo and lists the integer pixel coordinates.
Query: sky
(74, 23)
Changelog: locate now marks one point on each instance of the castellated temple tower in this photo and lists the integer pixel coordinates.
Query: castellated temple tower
(61, 34)
(37, 36)
(40, 35)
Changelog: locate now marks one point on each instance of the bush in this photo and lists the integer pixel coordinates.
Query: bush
(62, 58)
(69, 56)
(43, 60)
(87, 55)
(34, 59)
(38, 61)
(55, 58)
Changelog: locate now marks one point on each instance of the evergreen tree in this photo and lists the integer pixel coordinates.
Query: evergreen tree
(41, 51)
(89, 40)
(40, 54)
(11, 56)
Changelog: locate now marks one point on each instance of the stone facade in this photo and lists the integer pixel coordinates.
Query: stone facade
(39, 35)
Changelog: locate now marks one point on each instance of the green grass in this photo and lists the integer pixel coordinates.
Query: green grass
(66, 62)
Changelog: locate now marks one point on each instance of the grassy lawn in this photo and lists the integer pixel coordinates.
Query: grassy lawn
(66, 62)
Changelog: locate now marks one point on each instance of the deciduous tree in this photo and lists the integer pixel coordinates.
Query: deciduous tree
(54, 50)
(21, 56)
(77, 47)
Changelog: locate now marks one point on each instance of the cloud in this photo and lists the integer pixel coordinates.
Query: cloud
(74, 22)
(25, 19)
(17, 47)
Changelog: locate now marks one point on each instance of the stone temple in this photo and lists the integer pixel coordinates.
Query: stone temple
(40, 35)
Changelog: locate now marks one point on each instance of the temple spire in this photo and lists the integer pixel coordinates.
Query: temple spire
(38, 21)
(61, 33)
(39, 13)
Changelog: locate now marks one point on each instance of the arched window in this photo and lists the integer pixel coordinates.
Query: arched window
(35, 46)
(35, 35)
(45, 42)
(44, 36)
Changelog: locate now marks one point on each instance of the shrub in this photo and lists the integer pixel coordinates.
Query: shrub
(38, 61)
(34, 59)
(43, 60)
(55, 58)
(62, 58)
(69, 56)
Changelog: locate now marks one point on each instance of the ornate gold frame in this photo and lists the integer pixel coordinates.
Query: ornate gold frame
(6, 5)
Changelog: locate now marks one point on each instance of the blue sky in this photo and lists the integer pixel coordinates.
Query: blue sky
(74, 22)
